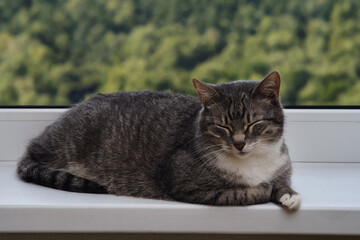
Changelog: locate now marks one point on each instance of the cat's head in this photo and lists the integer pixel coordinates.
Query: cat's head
(243, 117)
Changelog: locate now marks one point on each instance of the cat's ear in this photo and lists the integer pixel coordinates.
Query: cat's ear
(269, 87)
(206, 93)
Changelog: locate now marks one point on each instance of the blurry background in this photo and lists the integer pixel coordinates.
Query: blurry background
(60, 52)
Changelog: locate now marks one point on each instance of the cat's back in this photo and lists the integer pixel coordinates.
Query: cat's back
(143, 123)
(130, 104)
(154, 106)
(156, 101)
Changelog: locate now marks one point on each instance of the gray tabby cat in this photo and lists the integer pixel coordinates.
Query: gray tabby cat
(226, 149)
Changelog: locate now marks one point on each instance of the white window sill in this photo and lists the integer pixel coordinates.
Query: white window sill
(330, 190)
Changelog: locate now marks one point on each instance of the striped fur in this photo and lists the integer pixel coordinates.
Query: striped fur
(31, 171)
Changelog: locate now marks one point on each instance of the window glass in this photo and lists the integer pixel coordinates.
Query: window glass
(60, 52)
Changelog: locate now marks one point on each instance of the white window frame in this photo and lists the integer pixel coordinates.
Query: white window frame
(312, 135)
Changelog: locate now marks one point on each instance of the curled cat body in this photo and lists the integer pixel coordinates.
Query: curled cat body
(224, 148)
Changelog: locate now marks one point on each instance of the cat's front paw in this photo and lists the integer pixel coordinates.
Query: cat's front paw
(291, 202)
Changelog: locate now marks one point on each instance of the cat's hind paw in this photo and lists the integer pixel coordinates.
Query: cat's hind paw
(291, 202)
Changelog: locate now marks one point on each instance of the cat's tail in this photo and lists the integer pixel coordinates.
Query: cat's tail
(30, 170)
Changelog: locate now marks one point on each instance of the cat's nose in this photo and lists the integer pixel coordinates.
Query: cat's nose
(239, 146)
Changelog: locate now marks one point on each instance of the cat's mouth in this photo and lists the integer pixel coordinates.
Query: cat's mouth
(240, 149)
(238, 152)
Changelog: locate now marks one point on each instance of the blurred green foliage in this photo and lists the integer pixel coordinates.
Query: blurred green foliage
(58, 52)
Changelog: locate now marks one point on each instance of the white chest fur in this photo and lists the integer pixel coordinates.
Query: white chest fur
(255, 168)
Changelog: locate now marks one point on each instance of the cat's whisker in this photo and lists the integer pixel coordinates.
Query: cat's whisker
(264, 150)
(217, 154)
(206, 156)
(260, 142)
(192, 140)
(267, 139)
(223, 155)
(205, 149)
(204, 159)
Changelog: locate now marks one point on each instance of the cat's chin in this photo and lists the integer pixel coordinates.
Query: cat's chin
(239, 155)
(243, 154)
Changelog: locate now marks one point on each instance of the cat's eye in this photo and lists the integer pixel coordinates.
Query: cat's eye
(251, 126)
(257, 125)
(226, 128)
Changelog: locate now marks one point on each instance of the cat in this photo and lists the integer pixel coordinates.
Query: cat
(226, 149)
